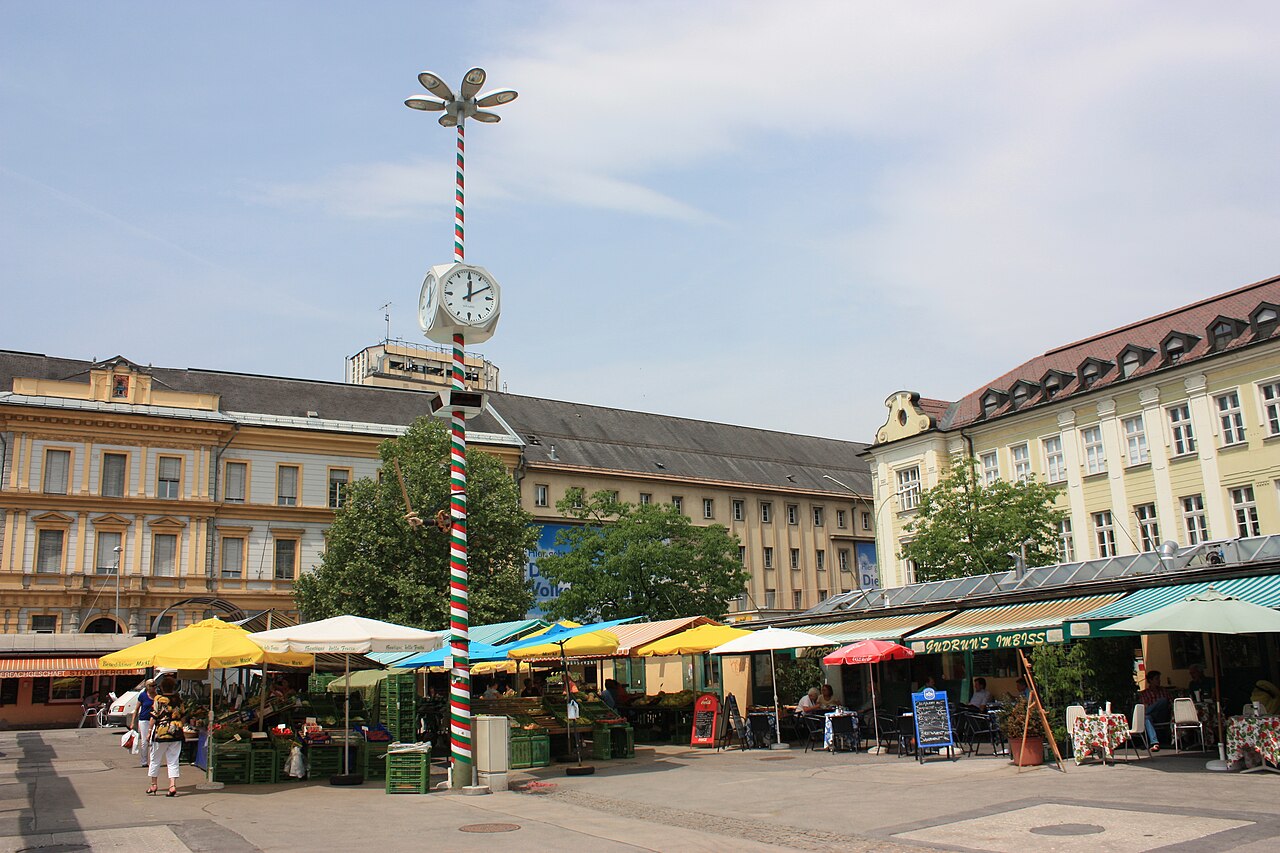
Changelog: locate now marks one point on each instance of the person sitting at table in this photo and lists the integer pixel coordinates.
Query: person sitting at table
(826, 698)
(491, 692)
(1199, 683)
(1159, 704)
(1024, 690)
(618, 691)
(981, 696)
(808, 703)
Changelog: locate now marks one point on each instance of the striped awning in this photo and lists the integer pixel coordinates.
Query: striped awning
(876, 628)
(55, 668)
(1263, 590)
(1005, 626)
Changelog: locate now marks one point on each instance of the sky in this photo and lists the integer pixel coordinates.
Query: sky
(765, 214)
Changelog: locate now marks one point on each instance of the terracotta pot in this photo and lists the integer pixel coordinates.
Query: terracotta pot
(1027, 753)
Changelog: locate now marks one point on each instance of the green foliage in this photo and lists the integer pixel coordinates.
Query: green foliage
(963, 527)
(376, 565)
(1111, 659)
(1014, 717)
(647, 560)
(1063, 674)
(796, 676)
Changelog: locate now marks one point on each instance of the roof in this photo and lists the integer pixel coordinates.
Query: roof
(876, 628)
(1028, 623)
(634, 635)
(1148, 334)
(12, 645)
(1263, 590)
(501, 632)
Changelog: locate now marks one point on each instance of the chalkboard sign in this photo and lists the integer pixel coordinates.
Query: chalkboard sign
(706, 712)
(731, 716)
(932, 720)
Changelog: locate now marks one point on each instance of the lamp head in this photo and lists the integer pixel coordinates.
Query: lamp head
(418, 102)
(436, 86)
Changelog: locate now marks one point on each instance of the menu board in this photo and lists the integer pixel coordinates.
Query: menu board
(932, 719)
(731, 716)
(706, 713)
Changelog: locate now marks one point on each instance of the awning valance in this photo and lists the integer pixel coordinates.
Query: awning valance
(1263, 590)
(1004, 626)
(56, 668)
(876, 627)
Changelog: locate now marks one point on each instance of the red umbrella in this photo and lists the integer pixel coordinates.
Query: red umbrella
(869, 652)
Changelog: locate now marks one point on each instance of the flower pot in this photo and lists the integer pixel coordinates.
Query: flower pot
(1028, 752)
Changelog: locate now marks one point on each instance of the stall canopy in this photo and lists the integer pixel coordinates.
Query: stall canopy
(892, 628)
(208, 644)
(568, 639)
(695, 641)
(1005, 626)
(1263, 590)
(493, 635)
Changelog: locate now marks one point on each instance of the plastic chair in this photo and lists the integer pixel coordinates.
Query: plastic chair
(92, 712)
(888, 725)
(844, 734)
(1138, 729)
(1186, 718)
(815, 731)
(1074, 712)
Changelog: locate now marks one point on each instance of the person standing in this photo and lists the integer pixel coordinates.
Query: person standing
(167, 717)
(141, 722)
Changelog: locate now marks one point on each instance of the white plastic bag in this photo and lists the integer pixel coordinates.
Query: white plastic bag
(297, 768)
(129, 740)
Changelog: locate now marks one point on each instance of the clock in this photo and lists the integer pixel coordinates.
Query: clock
(459, 299)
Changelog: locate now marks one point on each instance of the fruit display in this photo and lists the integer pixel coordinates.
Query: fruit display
(682, 699)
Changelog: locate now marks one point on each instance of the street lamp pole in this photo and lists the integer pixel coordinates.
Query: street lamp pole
(116, 571)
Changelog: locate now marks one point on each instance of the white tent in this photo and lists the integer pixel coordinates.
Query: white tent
(771, 640)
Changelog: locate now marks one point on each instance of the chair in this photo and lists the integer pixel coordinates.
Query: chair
(979, 727)
(906, 735)
(1138, 729)
(888, 726)
(1074, 712)
(1185, 717)
(814, 731)
(92, 712)
(761, 732)
(844, 733)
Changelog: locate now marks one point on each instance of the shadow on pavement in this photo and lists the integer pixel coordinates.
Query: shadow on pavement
(53, 799)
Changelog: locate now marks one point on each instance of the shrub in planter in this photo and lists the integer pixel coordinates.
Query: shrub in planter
(1026, 752)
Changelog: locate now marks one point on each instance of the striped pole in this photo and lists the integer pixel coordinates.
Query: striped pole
(459, 611)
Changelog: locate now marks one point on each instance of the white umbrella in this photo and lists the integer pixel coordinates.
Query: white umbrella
(1208, 612)
(348, 635)
(770, 640)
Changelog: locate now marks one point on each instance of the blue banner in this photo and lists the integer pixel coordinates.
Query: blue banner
(543, 589)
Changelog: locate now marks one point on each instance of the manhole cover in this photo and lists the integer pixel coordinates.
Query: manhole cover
(1068, 829)
(55, 848)
(778, 758)
(489, 827)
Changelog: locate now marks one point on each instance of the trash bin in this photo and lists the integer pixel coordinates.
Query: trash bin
(492, 754)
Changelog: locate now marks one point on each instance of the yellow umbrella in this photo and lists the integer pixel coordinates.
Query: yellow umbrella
(596, 643)
(695, 641)
(209, 644)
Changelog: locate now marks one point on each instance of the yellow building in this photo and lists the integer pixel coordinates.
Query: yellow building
(1164, 429)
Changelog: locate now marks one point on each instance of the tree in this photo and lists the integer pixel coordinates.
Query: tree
(376, 565)
(640, 560)
(964, 527)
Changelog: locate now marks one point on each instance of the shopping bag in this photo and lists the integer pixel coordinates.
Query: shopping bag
(128, 739)
(297, 768)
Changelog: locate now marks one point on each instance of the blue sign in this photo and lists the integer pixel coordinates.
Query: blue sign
(543, 589)
(868, 573)
(932, 718)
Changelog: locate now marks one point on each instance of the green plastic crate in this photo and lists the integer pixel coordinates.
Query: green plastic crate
(601, 745)
(520, 753)
(540, 751)
(324, 761)
(318, 682)
(373, 760)
(408, 773)
(264, 767)
(622, 741)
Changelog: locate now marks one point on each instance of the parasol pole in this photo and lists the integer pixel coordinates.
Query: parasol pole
(208, 784)
(777, 709)
(346, 714)
(875, 714)
(1221, 763)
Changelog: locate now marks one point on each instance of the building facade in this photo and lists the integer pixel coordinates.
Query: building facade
(1167, 429)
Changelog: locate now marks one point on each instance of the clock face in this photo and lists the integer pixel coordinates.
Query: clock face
(469, 296)
(427, 300)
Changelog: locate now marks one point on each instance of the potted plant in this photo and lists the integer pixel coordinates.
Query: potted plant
(1028, 751)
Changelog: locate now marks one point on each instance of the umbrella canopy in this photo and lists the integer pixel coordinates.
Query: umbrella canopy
(770, 639)
(476, 653)
(1209, 612)
(868, 651)
(569, 640)
(208, 644)
(695, 641)
(349, 635)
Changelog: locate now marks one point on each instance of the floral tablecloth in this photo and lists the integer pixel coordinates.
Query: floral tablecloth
(1099, 733)
(1260, 734)
(826, 726)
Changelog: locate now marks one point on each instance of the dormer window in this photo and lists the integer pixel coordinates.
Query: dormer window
(991, 401)
(1264, 319)
(1133, 358)
(1091, 370)
(1223, 331)
(1176, 345)
(1022, 392)
(1053, 382)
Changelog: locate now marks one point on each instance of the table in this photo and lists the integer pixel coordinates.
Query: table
(1254, 734)
(765, 729)
(826, 726)
(1099, 733)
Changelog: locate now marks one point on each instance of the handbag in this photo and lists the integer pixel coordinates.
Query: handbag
(128, 739)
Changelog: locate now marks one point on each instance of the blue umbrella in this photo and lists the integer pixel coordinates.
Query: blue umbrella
(478, 653)
(561, 634)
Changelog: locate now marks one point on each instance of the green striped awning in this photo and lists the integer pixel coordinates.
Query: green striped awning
(892, 628)
(1004, 626)
(1263, 590)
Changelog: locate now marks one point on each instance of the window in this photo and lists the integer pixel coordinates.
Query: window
(739, 510)
(678, 503)
(866, 521)
(1230, 417)
(708, 508)
(1089, 373)
(1222, 334)
(1105, 533)
(107, 559)
(742, 554)
(820, 560)
(44, 624)
(615, 496)
(817, 516)
(1246, 511)
(57, 466)
(1095, 459)
(233, 551)
(114, 468)
(169, 478)
(1021, 462)
(797, 600)
(164, 555)
(236, 480)
(1184, 436)
(793, 514)
(1052, 385)
(339, 480)
(909, 488)
(822, 595)
(287, 485)
(1129, 363)
(909, 569)
(768, 557)
(1193, 519)
(646, 498)
(766, 512)
(1066, 542)
(1148, 526)
(164, 624)
(119, 387)
(845, 559)
(1271, 406)
(575, 495)
(842, 518)
(990, 468)
(1055, 464)
(286, 559)
(540, 495)
(1021, 393)
(795, 558)
(1135, 435)
(49, 551)
(770, 599)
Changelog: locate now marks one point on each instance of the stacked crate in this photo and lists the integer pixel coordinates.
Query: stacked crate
(318, 682)
(399, 706)
(324, 760)
(232, 761)
(408, 772)
(373, 760)
(520, 752)
(264, 764)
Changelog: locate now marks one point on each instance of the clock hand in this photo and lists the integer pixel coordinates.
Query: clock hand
(478, 292)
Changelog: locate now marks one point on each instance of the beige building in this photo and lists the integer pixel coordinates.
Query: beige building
(1164, 429)
(411, 366)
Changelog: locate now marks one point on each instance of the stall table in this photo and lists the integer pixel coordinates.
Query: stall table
(1255, 734)
(1099, 734)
